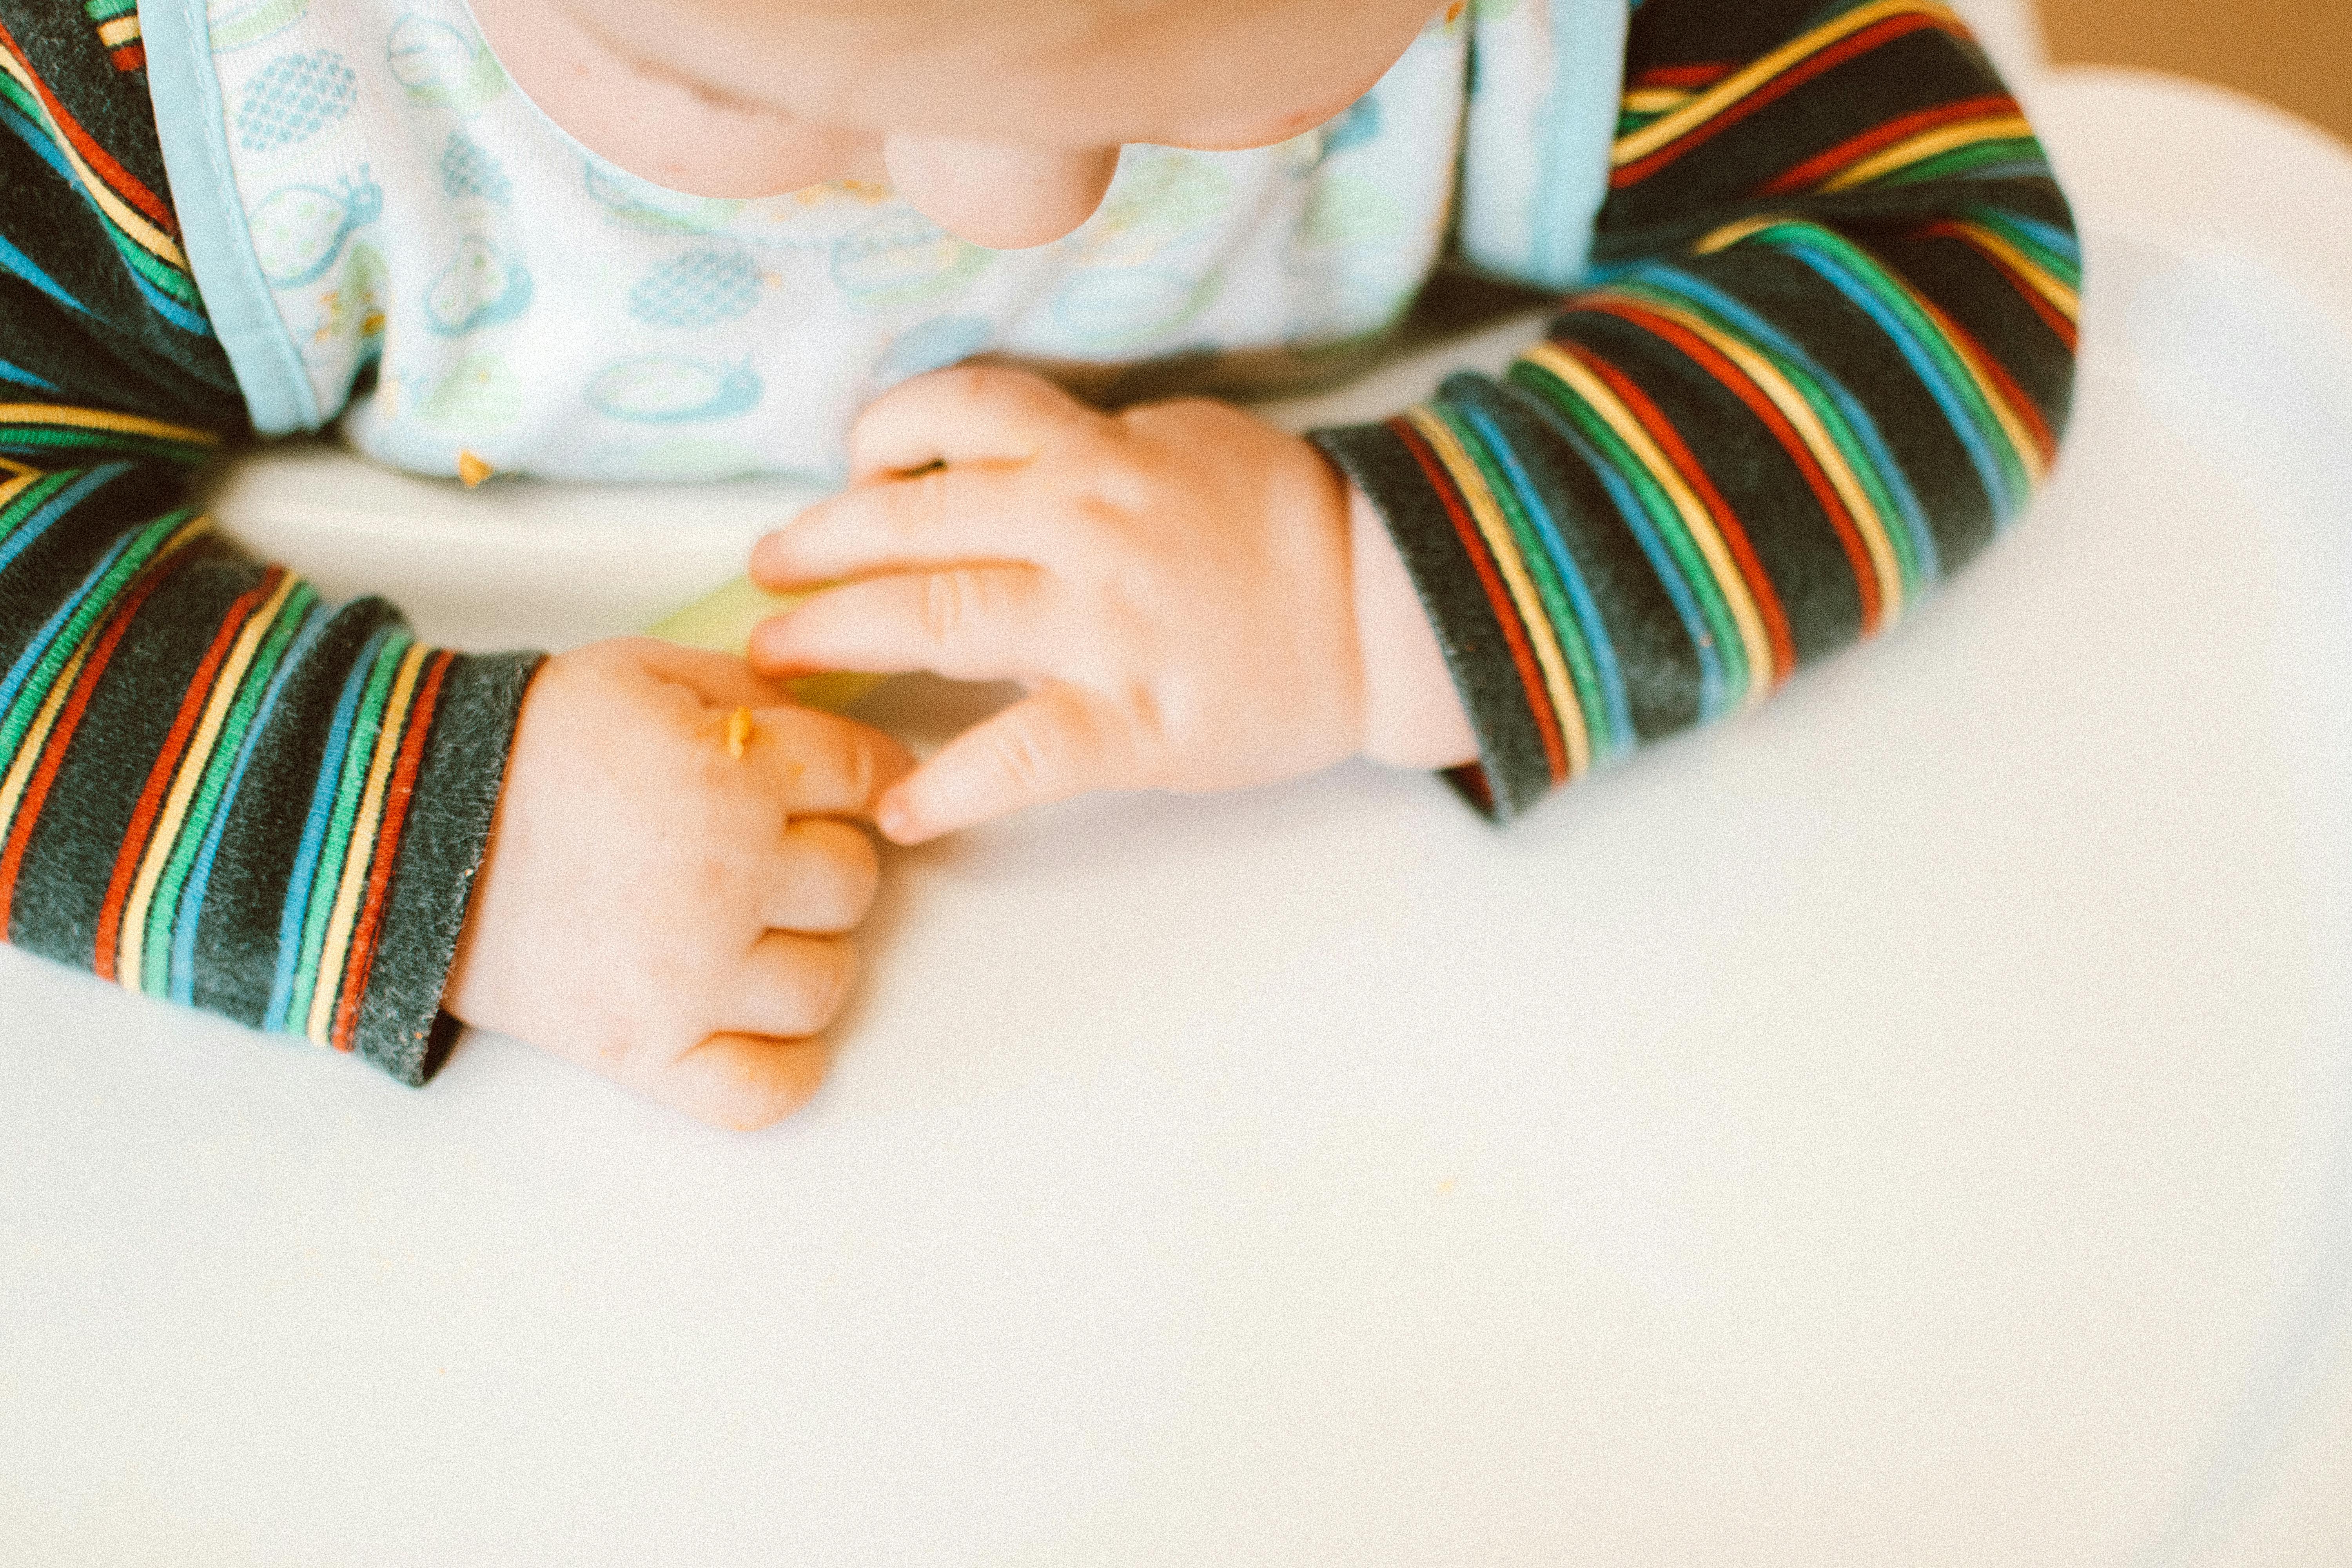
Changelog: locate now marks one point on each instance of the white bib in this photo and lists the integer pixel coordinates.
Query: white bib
(363, 188)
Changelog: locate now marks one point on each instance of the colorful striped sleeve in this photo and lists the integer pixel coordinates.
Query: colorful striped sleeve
(215, 787)
(1824, 354)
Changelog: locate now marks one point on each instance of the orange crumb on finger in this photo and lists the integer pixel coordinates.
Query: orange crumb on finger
(739, 733)
(472, 469)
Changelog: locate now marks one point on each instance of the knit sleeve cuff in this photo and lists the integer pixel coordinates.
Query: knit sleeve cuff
(1468, 608)
(397, 1023)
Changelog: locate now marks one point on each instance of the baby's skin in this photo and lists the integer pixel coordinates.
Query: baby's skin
(1192, 598)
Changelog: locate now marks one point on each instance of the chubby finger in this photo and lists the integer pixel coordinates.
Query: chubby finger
(744, 1081)
(967, 623)
(825, 877)
(819, 763)
(1046, 747)
(966, 414)
(940, 518)
(790, 986)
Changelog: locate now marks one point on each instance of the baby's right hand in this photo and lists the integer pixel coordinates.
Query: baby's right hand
(660, 910)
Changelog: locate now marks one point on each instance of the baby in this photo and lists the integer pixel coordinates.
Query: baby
(1816, 345)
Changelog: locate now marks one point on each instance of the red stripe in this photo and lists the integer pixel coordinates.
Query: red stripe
(61, 739)
(1691, 76)
(159, 779)
(1817, 168)
(119, 179)
(1727, 521)
(1471, 779)
(129, 57)
(1498, 597)
(2036, 427)
(1779, 86)
(1713, 361)
(2052, 316)
(360, 959)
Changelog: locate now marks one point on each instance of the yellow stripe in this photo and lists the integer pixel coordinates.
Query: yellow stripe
(150, 238)
(1696, 519)
(29, 755)
(1925, 146)
(1731, 234)
(2065, 300)
(1724, 94)
(78, 418)
(19, 481)
(191, 774)
(12, 788)
(118, 32)
(1885, 563)
(1657, 100)
(360, 854)
(1559, 684)
(2028, 451)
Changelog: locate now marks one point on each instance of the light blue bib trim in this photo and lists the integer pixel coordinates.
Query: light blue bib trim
(189, 122)
(1588, 53)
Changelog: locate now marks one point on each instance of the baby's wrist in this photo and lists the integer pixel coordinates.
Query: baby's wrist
(1413, 714)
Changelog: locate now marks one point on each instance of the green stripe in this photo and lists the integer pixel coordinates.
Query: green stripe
(1533, 553)
(153, 268)
(1825, 408)
(81, 438)
(163, 912)
(1890, 292)
(37, 495)
(1960, 161)
(1660, 509)
(2066, 268)
(92, 605)
(108, 10)
(327, 880)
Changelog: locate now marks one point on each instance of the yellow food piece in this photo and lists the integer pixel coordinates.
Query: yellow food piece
(722, 622)
(738, 732)
(472, 469)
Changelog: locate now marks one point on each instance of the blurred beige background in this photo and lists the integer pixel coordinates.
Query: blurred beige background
(2296, 52)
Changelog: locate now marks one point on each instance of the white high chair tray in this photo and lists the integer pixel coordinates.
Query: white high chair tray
(1912, 1124)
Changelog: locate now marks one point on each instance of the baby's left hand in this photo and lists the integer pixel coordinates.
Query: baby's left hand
(1172, 584)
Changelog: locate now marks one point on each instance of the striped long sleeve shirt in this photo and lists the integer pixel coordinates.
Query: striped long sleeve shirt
(214, 786)
(1825, 351)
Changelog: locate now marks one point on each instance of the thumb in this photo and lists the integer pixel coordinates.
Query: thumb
(1046, 747)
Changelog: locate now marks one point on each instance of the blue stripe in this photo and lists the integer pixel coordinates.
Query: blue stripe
(37, 649)
(191, 896)
(18, 262)
(58, 505)
(1711, 678)
(171, 309)
(2056, 240)
(1987, 464)
(1587, 609)
(1738, 318)
(23, 377)
(296, 914)
(34, 134)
